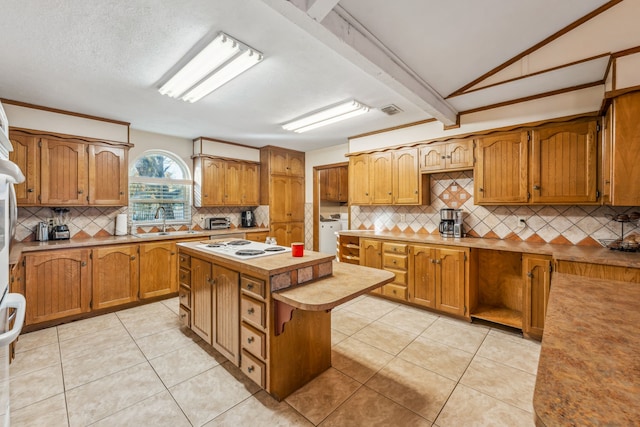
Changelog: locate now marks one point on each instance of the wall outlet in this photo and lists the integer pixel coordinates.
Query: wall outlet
(522, 221)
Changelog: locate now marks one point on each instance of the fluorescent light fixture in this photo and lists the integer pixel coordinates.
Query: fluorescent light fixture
(220, 61)
(327, 116)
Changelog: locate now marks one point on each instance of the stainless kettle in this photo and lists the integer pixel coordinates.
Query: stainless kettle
(42, 231)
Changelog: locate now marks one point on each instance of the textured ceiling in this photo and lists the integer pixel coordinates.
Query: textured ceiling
(106, 58)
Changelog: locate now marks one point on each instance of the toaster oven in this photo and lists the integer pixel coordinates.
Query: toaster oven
(216, 223)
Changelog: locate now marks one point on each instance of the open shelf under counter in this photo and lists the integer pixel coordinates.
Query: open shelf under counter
(349, 249)
(501, 315)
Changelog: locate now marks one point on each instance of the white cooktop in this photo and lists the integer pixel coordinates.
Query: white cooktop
(243, 249)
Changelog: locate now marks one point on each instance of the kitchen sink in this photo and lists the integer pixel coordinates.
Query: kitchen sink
(168, 234)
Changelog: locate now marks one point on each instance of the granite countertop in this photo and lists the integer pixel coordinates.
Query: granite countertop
(592, 254)
(19, 248)
(348, 281)
(589, 369)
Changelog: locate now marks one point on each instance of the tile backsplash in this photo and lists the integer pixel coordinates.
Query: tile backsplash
(570, 225)
(85, 222)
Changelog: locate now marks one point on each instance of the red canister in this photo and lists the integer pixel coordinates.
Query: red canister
(297, 249)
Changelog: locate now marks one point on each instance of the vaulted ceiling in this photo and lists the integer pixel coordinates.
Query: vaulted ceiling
(431, 59)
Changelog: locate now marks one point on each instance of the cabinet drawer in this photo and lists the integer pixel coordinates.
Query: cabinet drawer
(394, 261)
(394, 248)
(253, 368)
(253, 340)
(185, 261)
(252, 311)
(184, 277)
(185, 316)
(252, 286)
(184, 295)
(401, 277)
(395, 291)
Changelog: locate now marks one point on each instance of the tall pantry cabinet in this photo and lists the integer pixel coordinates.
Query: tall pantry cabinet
(282, 185)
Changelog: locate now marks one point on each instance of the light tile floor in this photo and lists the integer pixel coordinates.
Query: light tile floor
(393, 365)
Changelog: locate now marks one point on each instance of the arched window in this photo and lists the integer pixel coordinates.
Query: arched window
(159, 179)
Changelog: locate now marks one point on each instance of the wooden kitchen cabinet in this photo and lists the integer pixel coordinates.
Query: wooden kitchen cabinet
(438, 278)
(394, 259)
(257, 236)
(371, 256)
(349, 249)
(201, 299)
(114, 275)
(282, 187)
(225, 182)
(57, 284)
(225, 308)
(537, 278)
(359, 179)
(158, 269)
(381, 178)
(25, 155)
(624, 151)
(108, 175)
(501, 170)
(447, 156)
(334, 184)
(563, 163)
(406, 189)
(63, 173)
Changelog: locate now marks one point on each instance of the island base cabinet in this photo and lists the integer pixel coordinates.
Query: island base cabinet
(300, 353)
(201, 292)
(225, 317)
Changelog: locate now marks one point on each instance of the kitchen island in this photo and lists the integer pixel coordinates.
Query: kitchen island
(269, 315)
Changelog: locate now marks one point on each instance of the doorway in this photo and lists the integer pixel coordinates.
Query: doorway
(330, 200)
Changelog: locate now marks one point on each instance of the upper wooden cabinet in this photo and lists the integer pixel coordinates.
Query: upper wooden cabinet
(501, 171)
(25, 155)
(621, 167)
(225, 182)
(563, 163)
(69, 171)
(387, 178)
(447, 156)
(334, 184)
(286, 162)
(291, 205)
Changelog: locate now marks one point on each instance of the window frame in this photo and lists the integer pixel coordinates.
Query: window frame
(187, 181)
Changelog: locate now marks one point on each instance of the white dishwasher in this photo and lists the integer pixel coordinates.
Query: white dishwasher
(327, 236)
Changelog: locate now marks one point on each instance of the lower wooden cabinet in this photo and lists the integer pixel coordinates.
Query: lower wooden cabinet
(158, 269)
(287, 232)
(394, 259)
(537, 278)
(257, 236)
(57, 284)
(438, 278)
(201, 291)
(115, 276)
(371, 256)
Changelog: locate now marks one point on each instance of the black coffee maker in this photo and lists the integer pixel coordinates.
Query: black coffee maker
(447, 222)
(248, 219)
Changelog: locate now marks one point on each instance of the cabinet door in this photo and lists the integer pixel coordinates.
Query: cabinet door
(278, 205)
(450, 283)
(280, 231)
(250, 184)
(501, 175)
(278, 162)
(158, 269)
(607, 156)
(422, 286)
(233, 186)
(108, 176)
(406, 177)
(25, 155)
(359, 180)
(295, 232)
(380, 176)
(626, 151)
(432, 157)
(115, 275)
(343, 184)
(459, 154)
(332, 184)
(57, 284)
(225, 316)
(371, 256)
(213, 185)
(537, 279)
(563, 163)
(295, 164)
(323, 175)
(201, 299)
(63, 173)
(294, 198)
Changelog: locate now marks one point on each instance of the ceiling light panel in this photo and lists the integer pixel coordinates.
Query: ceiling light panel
(327, 116)
(220, 61)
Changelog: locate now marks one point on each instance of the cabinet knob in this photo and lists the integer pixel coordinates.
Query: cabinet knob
(395, 261)
(80, 191)
(366, 194)
(536, 187)
(250, 340)
(449, 156)
(251, 369)
(133, 258)
(249, 285)
(607, 181)
(443, 157)
(530, 275)
(83, 264)
(183, 315)
(481, 189)
(30, 190)
(122, 193)
(251, 311)
(389, 193)
(206, 195)
(183, 296)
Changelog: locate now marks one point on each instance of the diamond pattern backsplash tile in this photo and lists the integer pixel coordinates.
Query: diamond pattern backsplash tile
(569, 225)
(85, 222)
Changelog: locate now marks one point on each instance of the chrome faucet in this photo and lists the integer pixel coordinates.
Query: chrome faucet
(164, 218)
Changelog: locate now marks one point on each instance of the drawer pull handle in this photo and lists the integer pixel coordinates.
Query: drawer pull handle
(251, 369)
(250, 286)
(183, 295)
(251, 310)
(133, 258)
(183, 315)
(250, 340)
